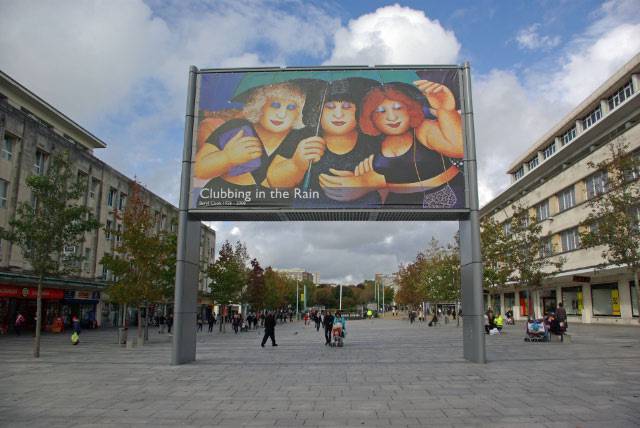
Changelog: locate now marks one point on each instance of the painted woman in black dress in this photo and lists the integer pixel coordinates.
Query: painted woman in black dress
(416, 157)
(338, 149)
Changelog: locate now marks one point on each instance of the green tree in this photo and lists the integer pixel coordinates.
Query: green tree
(441, 273)
(256, 288)
(495, 254)
(411, 290)
(527, 253)
(54, 220)
(142, 260)
(229, 275)
(614, 221)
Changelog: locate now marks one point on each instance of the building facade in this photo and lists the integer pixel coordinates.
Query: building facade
(555, 181)
(31, 130)
(297, 274)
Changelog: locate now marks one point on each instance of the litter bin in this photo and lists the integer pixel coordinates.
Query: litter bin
(122, 336)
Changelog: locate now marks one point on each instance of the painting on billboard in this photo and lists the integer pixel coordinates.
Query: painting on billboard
(328, 139)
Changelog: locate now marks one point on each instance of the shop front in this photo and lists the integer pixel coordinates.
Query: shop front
(82, 304)
(14, 300)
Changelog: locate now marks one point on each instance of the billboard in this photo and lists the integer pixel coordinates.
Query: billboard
(347, 139)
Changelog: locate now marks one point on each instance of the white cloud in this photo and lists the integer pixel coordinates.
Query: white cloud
(529, 38)
(394, 35)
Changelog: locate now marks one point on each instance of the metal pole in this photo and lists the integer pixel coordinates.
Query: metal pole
(187, 263)
(474, 347)
(383, 300)
(340, 296)
(297, 300)
(305, 297)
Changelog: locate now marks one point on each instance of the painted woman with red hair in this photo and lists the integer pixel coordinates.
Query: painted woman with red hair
(417, 156)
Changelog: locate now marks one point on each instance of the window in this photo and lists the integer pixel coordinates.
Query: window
(107, 230)
(592, 118)
(163, 222)
(87, 260)
(523, 301)
(567, 198)
(596, 184)
(548, 151)
(542, 210)
(40, 163)
(533, 163)
(632, 172)
(572, 300)
(634, 298)
(95, 185)
(111, 197)
(8, 143)
(122, 202)
(82, 179)
(519, 173)
(605, 300)
(568, 136)
(506, 227)
(546, 250)
(4, 192)
(118, 233)
(621, 96)
(570, 239)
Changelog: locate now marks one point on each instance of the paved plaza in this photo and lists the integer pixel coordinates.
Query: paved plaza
(389, 373)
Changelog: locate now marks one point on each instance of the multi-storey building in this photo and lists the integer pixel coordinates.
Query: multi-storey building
(297, 274)
(554, 181)
(31, 130)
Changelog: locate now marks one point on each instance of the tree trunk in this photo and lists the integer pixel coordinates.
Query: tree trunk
(139, 324)
(36, 343)
(146, 324)
(636, 275)
(530, 302)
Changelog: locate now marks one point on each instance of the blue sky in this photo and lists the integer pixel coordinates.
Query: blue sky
(120, 67)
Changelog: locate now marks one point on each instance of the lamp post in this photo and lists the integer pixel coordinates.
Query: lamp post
(297, 300)
(383, 300)
(340, 296)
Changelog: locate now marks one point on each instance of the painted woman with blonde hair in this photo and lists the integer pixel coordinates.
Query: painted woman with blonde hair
(238, 153)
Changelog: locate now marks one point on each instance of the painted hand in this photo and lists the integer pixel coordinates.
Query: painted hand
(309, 150)
(439, 96)
(241, 149)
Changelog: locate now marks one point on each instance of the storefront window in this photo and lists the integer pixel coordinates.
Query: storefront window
(605, 299)
(572, 299)
(495, 303)
(509, 301)
(634, 299)
(524, 303)
(548, 297)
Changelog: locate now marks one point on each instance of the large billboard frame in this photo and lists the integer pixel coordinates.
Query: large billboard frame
(187, 265)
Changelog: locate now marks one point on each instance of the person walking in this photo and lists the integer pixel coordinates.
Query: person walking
(19, 323)
(328, 326)
(561, 315)
(200, 322)
(211, 321)
(169, 322)
(269, 329)
(75, 321)
(317, 320)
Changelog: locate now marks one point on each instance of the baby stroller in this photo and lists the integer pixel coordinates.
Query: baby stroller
(244, 327)
(536, 331)
(337, 336)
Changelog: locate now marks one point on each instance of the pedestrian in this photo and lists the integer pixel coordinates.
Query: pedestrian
(328, 326)
(306, 318)
(317, 320)
(161, 323)
(235, 323)
(269, 329)
(19, 323)
(211, 321)
(169, 322)
(199, 321)
(499, 321)
(561, 316)
(75, 321)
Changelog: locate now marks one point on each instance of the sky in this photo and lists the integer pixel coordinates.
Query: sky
(120, 67)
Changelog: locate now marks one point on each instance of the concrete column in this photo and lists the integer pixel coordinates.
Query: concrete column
(579, 127)
(604, 107)
(635, 82)
(625, 298)
(502, 308)
(587, 309)
(558, 142)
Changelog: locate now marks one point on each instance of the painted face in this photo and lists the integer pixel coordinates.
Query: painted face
(279, 114)
(391, 117)
(338, 117)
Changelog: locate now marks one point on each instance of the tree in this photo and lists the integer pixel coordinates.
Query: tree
(527, 254)
(614, 221)
(495, 254)
(441, 273)
(142, 259)
(53, 221)
(229, 275)
(409, 278)
(256, 286)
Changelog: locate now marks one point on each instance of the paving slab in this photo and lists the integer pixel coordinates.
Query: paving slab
(389, 373)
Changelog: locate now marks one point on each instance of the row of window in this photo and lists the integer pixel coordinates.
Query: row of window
(615, 100)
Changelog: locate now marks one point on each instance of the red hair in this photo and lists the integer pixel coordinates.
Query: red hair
(376, 96)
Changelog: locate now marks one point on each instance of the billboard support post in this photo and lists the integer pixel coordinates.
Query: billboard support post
(187, 265)
(470, 253)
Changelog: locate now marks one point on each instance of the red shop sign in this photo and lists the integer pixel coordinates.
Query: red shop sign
(29, 293)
